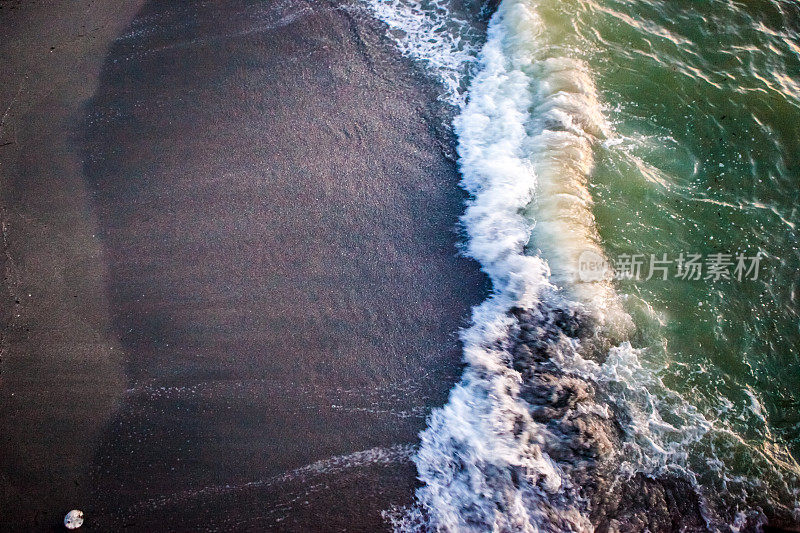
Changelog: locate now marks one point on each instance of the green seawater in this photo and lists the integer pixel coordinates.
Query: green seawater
(683, 120)
(704, 101)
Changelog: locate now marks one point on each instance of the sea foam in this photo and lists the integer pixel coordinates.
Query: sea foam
(431, 32)
(556, 419)
(525, 147)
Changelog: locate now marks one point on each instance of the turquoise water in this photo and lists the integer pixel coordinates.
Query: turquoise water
(666, 129)
(705, 98)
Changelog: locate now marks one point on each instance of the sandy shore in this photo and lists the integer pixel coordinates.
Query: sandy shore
(61, 367)
(241, 261)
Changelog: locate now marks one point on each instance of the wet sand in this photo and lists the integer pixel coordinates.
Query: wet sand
(248, 295)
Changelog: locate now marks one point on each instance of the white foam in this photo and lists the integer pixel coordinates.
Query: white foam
(485, 432)
(526, 136)
(430, 32)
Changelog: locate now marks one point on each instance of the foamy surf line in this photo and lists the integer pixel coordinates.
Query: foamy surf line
(525, 429)
(556, 425)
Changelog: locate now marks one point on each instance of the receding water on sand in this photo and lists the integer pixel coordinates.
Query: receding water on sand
(275, 212)
(278, 216)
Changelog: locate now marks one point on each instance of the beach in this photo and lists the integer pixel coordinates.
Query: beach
(400, 265)
(233, 290)
(62, 375)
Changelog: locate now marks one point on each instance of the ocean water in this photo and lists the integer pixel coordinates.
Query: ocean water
(634, 176)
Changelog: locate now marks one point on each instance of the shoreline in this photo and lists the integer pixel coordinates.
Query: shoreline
(276, 214)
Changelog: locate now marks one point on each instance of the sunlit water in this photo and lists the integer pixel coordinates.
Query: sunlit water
(629, 129)
(705, 103)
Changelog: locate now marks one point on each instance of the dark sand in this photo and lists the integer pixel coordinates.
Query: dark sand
(273, 253)
(61, 372)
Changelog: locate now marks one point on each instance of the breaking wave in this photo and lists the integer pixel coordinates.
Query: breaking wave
(556, 424)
